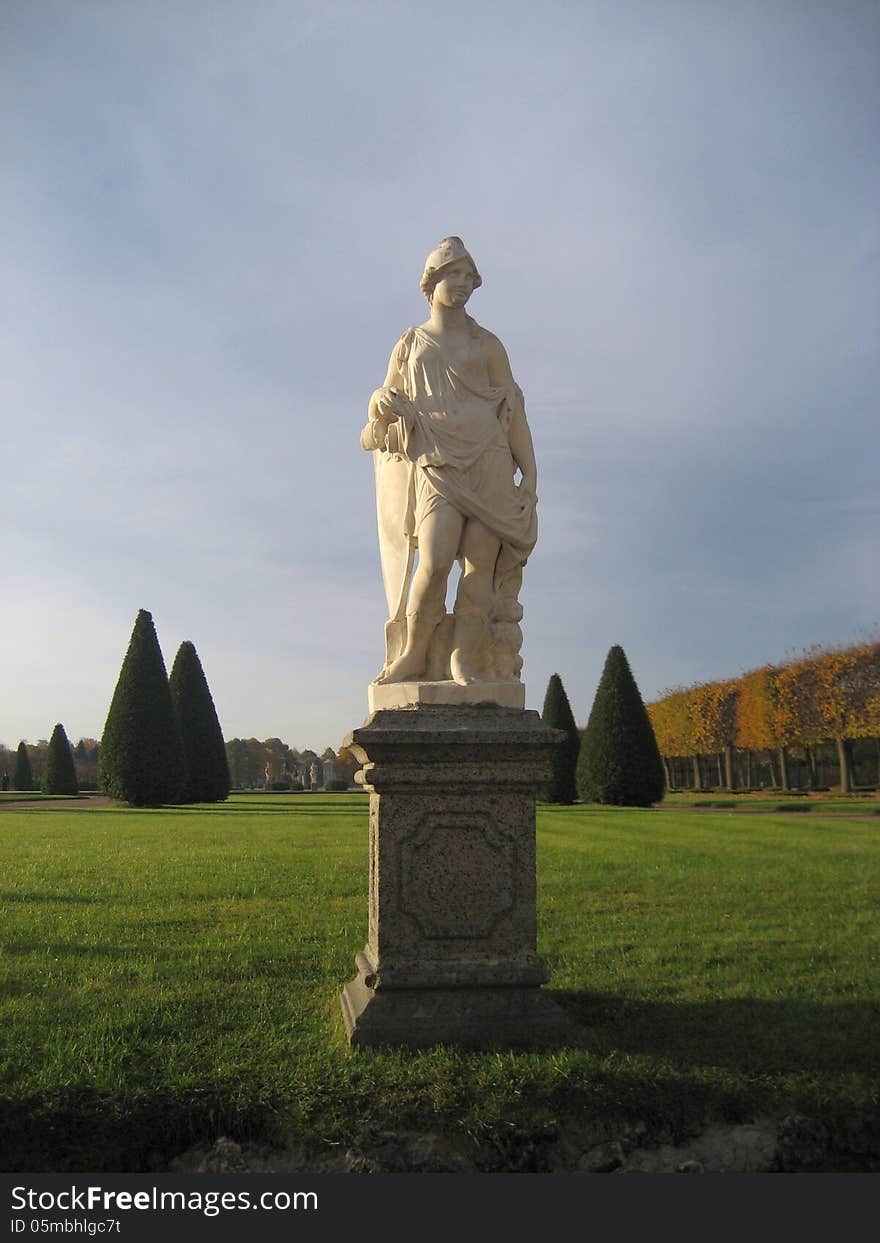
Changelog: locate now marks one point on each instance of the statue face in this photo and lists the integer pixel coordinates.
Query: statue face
(455, 285)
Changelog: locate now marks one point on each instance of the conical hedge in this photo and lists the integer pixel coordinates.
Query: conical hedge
(562, 787)
(23, 775)
(204, 752)
(59, 775)
(619, 760)
(140, 759)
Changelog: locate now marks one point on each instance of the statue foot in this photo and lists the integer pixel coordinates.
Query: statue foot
(404, 669)
(462, 673)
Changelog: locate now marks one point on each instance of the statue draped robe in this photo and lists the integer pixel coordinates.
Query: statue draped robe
(455, 450)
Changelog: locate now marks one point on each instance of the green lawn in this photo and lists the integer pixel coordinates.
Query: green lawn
(171, 975)
(798, 801)
(32, 796)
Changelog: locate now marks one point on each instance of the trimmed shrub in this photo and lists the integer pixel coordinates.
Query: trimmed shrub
(59, 776)
(204, 752)
(562, 787)
(23, 775)
(140, 760)
(336, 786)
(619, 761)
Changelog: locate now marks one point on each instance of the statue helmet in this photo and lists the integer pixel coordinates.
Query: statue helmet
(450, 250)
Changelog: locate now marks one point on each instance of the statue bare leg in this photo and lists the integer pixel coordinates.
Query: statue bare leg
(480, 550)
(439, 538)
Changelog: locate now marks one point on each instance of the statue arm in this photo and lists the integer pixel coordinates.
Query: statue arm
(381, 412)
(519, 435)
(393, 380)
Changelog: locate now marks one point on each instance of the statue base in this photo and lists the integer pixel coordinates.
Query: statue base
(451, 951)
(510, 694)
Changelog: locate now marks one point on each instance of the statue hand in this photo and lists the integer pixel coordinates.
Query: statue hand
(391, 404)
(373, 412)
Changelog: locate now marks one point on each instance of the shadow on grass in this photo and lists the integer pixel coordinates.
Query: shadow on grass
(288, 809)
(670, 1064)
(82, 1128)
(742, 1035)
(47, 897)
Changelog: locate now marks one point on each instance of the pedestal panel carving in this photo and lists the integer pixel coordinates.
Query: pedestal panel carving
(448, 846)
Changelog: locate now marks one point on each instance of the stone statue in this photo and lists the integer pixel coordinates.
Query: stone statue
(448, 434)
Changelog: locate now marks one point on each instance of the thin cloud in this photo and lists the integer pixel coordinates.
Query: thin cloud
(216, 225)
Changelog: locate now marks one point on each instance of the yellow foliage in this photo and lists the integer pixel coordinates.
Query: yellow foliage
(825, 694)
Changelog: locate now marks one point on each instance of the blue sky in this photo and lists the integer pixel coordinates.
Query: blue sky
(215, 216)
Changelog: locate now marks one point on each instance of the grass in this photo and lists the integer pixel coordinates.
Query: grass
(796, 801)
(32, 796)
(168, 976)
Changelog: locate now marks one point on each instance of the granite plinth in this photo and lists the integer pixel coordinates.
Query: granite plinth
(470, 1018)
(451, 950)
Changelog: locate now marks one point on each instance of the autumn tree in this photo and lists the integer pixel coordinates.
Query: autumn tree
(826, 695)
(59, 774)
(672, 725)
(23, 775)
(846, 688)
(797, 718)
(140, 759)
(204, 753)
(713, 709)
(754, 725)
(690, 720)
(562, 786)
(864, 687)
(619, 761)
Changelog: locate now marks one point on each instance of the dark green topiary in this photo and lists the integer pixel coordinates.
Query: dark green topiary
(204, 752)
(59, 775)
(140, 759)
(23, 776)
(561, 788)
(619, 760)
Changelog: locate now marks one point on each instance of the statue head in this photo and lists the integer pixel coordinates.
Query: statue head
(450, 250)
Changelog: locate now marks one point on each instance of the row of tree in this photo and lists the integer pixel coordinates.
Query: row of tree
(25, 767)
(56, 763)
(826, 697)
(162, 741)
(252, 764)
(615, 760)
(275, 764)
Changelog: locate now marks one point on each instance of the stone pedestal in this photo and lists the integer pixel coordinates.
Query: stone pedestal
(451, 951)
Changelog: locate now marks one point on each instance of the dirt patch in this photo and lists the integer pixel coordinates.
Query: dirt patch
(792, 1144)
